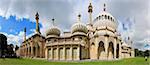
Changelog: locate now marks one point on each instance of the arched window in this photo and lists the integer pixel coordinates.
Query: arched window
(61, 53)
(96, 18)
(111, 50)
(74, 53)
(92, 43)
(99, 17)
(101, 49)
(111, 18)
(105, 16)
(108, 18)
(67, 53)
(101, 45)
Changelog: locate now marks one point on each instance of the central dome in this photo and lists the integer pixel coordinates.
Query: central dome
(104, 20)
(79, 27)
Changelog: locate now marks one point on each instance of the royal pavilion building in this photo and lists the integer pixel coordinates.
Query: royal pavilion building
(96, 40)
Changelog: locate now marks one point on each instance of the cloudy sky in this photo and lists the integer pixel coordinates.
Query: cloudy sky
(133, 17)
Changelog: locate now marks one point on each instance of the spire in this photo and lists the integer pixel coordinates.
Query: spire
(90, 10)
(90, 7)
(104, 7)
(37, 23)
(79, 18)
(25, 34)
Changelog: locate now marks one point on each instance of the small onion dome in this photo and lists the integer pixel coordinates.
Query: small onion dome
(79, 27)
(53, 31)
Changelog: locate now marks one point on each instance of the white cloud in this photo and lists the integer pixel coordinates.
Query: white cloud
(15, 39)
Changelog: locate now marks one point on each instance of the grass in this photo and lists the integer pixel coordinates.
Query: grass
(129, 61)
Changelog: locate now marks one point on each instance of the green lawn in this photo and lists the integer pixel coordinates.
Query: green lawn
(131, 61)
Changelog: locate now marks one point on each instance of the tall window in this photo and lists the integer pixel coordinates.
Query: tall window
(61, 53)
(55, 53)
(111, 48)
(67, 53)
(101, 48)
(105, 16)
(49, 53)
(74, 53)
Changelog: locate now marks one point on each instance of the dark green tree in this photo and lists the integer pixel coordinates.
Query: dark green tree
(3, 45)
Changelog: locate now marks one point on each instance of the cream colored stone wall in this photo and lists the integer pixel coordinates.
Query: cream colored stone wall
(79, 48)
(33, 47)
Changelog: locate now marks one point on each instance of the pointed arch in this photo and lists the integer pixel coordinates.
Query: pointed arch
(111, 50)
(101, 49)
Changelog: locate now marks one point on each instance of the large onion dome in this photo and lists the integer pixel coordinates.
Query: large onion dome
(54, 31)
(79, 28)
(105, 19)
(105, 24)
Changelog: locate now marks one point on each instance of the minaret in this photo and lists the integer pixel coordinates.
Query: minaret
(25, 34)
(37, 23)
(90, 10)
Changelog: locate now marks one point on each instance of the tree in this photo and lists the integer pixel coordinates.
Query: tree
(10, 50)
(16, 48)
(3, 45)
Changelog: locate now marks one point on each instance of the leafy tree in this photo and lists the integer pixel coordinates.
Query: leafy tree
(3, 45)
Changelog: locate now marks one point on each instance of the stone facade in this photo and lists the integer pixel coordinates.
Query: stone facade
(33, 47)
(98, 40)
(67, 48)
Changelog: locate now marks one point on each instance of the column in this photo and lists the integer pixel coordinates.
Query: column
(52, 53)
(64, 53)
(71, 58)
(78, 53)
(41, 51)
(32, 50)
(57, 53)
(28, 50)
(106, 47)
(36, 53)
(24, 51)
(115, 47)
(120, 49)
(47, 53)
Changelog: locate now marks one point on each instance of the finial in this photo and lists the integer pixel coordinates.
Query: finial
(104, 7)
(37, 16)
(53, 21)
(79, 16)
(90, 8)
